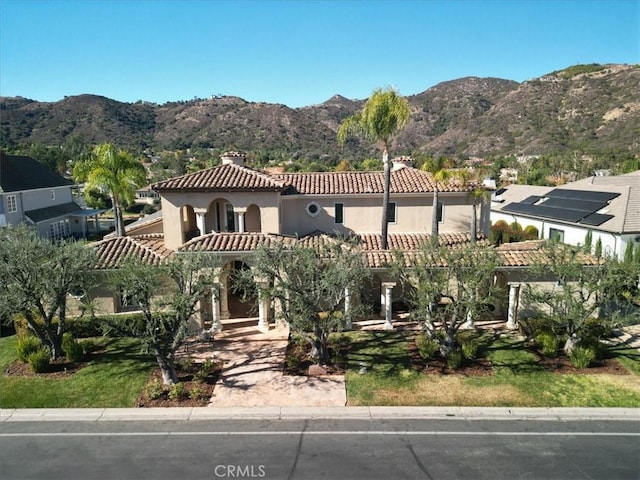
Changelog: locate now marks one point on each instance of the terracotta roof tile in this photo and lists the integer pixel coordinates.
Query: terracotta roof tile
(112, 252)
(232, 242)
(223, 177)
(403, 180)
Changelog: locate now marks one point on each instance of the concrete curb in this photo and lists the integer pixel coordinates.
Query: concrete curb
(291, 413)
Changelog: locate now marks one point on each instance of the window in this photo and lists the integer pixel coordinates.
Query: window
(556, 235)
(12, 205)
(440, 212)
(59, 230)
(339, 212)
(391, 212)
(313, 209)
(128, 302)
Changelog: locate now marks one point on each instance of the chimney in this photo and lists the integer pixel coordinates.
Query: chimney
(233, 158)
(402, 162)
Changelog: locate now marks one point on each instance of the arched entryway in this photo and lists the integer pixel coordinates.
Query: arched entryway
(220, 216)
(242, 303)
(188, 224)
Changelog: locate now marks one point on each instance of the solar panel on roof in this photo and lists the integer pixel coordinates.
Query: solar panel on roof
(596, 219)
(565, 214)
(574, 204)
(582, 195)
(532, 199)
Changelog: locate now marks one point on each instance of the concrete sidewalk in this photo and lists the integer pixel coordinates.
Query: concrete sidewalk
(284, 413)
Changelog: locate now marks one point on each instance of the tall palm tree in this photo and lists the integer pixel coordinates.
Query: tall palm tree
(440, 172)
(115, 171)
(478, 195)
(384, 114)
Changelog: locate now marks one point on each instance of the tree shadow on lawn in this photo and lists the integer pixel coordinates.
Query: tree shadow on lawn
(380, 351)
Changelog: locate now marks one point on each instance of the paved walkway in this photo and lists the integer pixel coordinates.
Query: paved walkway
(252, 373)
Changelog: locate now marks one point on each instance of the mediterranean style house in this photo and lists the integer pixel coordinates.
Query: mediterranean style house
(231, 209)
(31, 193)
(606, 206)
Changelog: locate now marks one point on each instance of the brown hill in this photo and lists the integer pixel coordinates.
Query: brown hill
(587, 108)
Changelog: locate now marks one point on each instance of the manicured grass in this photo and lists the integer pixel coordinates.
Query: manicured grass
(518, 380)
(113, 378)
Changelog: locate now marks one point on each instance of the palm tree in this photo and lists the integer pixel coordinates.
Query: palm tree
(441, 174)
(115, 171)
(478, 195)
(384, 114)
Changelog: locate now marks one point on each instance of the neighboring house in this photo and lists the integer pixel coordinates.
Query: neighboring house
(608, 206)
(31, 193)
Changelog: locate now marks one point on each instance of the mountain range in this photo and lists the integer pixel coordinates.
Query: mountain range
(583, 108)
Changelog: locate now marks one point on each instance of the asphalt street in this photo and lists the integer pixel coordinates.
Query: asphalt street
(387, 448)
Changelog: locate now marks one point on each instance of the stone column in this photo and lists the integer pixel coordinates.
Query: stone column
(514, 298)
(201, 222)
(347, 309)
(263, 307)
(216, 324)
(224, 298)
(388, 291)
(240, 216)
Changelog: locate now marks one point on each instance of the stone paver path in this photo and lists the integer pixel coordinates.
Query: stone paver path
(252, 373)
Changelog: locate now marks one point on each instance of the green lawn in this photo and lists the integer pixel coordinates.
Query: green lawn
(113, 378)
(517, 379)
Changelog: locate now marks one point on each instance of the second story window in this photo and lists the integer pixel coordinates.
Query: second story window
(339, 212)
(12, 204)
(440, 212)
(556, 235)
(392, 214)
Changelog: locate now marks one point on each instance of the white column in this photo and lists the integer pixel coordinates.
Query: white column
(200, 222)
(224, 299)
(263, 308)
(388, 291)
(216, 324)
(469, 323)
(240, 214)
(514, 298)
(347, 309)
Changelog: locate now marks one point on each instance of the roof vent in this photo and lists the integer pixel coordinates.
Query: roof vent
(233, 158)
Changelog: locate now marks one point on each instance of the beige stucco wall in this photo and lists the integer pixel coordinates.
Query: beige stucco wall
(362, 214)
(267, 202)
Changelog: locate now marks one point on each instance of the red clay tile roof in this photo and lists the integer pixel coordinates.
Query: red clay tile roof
(524, 254)
(233, 242)
(112, 252)
(403, 180)
(223, 177)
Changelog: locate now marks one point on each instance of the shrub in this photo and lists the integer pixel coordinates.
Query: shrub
(582, 357)
(205, 369)
(594, 344)
(83, 327)
(454, 360)
(548, 343)
(88, 345)
(177, 391)
(39, 360)
(470, 348)
(197, 392)
(426, 347)
(531, 232)
(154, 389)
(27, 345)
(71, 348)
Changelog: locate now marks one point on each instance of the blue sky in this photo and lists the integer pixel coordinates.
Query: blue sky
(297, 53)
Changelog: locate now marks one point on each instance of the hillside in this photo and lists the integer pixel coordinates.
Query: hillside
(586, 108)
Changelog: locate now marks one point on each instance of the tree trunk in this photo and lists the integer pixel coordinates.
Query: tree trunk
(434, 216)
(571, 343)
(169, 375)
(117, 214)
(385, 198)
(474, 224)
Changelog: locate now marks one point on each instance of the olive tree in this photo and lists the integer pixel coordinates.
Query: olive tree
(584, 288)
(452, 286)
(310, 285)
(37, 276)
(168, 296)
